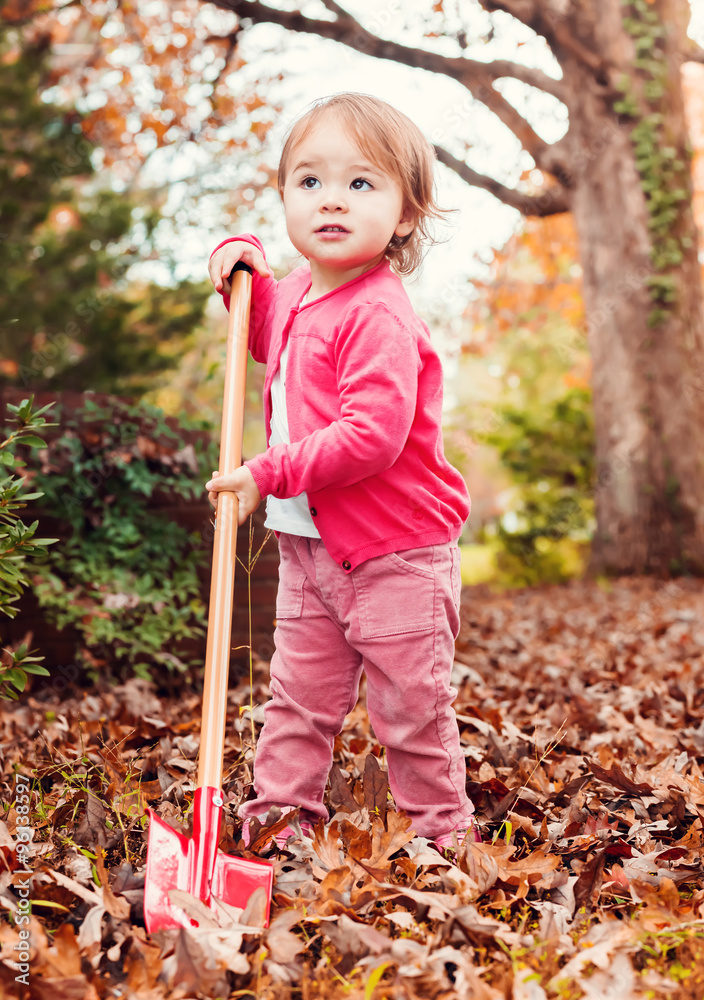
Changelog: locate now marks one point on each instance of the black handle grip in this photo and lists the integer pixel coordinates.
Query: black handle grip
(239, 266)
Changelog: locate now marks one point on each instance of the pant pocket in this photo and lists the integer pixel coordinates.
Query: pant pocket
(395, 593)
(289, 596)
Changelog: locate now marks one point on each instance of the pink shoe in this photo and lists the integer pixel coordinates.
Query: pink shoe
(445, 842)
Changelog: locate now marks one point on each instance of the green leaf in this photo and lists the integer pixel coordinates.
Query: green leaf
(44, 409)
(34, 668)
(17, 677)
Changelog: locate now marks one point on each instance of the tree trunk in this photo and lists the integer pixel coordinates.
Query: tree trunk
(642, 290)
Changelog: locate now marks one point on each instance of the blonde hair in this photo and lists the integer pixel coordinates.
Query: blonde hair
(397, 147)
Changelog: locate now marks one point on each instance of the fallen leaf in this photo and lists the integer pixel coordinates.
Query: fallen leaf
(340, 795)
(115, 906)
(589, 882)
(92, 829)
(197, 965)
(376, 788)
(387, 842)
(615, 776)
(282, 944)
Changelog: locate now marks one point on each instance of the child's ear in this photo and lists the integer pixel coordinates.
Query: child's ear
(407, 223)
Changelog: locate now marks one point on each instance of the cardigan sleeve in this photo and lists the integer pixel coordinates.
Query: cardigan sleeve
(378, 365)
(263, 296)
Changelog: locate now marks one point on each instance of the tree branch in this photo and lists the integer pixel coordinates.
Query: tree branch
(350, 32)
(551, 201)
(477, 77)
(552, 26)
(693, 52)
(526, 74)
(524, 11)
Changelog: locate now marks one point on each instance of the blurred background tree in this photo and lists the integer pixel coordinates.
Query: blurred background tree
(69, 318)
(524, 383)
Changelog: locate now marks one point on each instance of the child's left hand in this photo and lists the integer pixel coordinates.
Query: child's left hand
(241, 482)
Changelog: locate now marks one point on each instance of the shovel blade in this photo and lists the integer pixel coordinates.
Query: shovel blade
(235, 879)
(170, 857)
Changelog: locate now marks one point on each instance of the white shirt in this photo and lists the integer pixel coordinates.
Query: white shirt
(291, 515)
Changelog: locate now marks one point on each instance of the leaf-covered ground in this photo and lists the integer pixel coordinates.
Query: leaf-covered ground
(582, 715)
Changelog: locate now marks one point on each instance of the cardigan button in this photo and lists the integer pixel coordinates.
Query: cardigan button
(346, 564)
(314, 512)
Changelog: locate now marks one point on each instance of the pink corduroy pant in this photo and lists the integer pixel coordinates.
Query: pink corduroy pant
(395, 617)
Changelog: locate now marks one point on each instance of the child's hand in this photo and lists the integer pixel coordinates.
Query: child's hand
(241, 482)
(223, 260)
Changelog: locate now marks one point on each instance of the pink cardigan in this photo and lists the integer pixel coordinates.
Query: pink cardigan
(363, 398)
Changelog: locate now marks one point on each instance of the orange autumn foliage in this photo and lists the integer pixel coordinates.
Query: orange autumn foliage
(534, 274)
(155, 75)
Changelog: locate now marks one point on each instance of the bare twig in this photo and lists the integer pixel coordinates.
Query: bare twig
(551, 201)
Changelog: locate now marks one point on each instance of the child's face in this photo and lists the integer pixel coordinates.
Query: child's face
(341, 209)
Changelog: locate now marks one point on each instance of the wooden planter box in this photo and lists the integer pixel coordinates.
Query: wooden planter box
(59, 647)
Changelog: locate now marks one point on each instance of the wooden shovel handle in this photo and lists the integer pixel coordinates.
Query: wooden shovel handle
(222, 579)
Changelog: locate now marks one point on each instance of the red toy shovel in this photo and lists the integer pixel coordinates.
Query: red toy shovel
(195, 864)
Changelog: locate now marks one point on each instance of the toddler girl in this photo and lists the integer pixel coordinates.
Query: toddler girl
(366, 508)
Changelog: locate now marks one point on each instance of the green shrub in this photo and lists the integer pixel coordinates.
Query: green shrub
(18, 541)
(549, 452)
(126, 577)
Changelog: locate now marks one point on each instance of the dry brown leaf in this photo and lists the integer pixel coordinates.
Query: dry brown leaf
(376, 788)
(326, 844)
(92, 829)
(282, 944)
(254, 913)
(482, 861)
(351, 937)
(438, 904)
(591, 877)
(222, 946)
(333, 891)
(597, 948)
(143, 965)
(529, 869)
(340, 795)
(262, 834)
(615, 776)
(358, 842)
(116, 906)
(196, 966)
(387, 842)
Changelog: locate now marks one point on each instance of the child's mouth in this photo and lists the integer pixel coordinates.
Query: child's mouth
(332, 229)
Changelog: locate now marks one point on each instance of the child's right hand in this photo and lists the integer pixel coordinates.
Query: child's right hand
(223, 260)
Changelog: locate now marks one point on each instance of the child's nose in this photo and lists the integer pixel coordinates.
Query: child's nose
(334, 202)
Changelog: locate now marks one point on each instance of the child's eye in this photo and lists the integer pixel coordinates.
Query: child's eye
(309, 183)
(356, 184)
